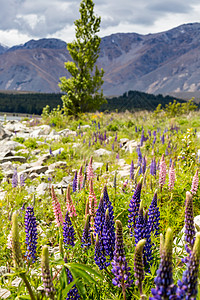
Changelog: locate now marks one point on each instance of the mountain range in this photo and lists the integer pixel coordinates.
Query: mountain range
(162, 63)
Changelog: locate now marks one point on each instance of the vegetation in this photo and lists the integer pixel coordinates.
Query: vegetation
(83, 88)
(69, 268)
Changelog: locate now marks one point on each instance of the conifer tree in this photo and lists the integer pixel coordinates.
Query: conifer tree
(82, 89)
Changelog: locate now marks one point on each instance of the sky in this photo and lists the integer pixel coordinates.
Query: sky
(23, 20)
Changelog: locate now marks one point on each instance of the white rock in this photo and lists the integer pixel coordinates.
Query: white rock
(42, 188)
(4, 294)
(101, 152)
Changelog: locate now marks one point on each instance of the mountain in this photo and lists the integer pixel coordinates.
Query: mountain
(165, 62)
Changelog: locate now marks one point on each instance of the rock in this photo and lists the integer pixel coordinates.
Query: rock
(58, 151)
(16, 282)
(21, 159)
(42, 188)
(3, 133)
(6, 146)
(130, 146)
(42, 159)
(7, 166)
(4, 294)
(96, 165)
(66, 132)
(36, 169)
(124, 141)
(58, 164)
(101, 152)
(64, 183)
(83, 126)
(40, 130)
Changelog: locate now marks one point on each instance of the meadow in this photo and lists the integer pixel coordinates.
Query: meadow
(79, 241)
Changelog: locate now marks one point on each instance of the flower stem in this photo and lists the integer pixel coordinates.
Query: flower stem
(23, 276)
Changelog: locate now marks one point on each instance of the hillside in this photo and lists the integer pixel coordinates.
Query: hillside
(165, 62)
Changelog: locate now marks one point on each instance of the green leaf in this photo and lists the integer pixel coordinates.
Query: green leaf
(68, 288)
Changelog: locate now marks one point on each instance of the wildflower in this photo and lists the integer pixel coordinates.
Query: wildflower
(92, 195)
(107, 204)
(189, 221)
(79, 179)
(187, 288)
(162, 173)
(16, 249)
(22, 181)
(195, 183)
(31, 234)
(171, 177)
(144, 164)
(142, 231)
(15, 179)
(73, 293)
(46, 275)
(116, 137)
(134, 206)
(108, 236)
(74, 183)
(163, 139)
(120, 268)
(86, 238)
(153, 167)
(154, 216)
(165, 288)
(132, 171)
(99, 218)
(70, 206)
(9, 240)
(68, 231)
(56, 208)
(138, 265)
(90, 173)
(99, 256)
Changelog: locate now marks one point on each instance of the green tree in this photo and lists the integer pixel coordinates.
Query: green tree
(83, 87)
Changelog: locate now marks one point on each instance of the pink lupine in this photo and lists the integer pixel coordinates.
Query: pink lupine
(171, 177)
(9, 240)
(80, 179)
(56, 208)
(92, 196)
(70, 206)
(195, 183)
(162, 173)
(90, 173)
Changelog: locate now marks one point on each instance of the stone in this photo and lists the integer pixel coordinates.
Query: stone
(3, 133)
(4, 293)
(66, 132)
(36, 169)
(84, 126)
(101, 152)
(97, 165)
(124, 141)
(20, 159)
(57, 151)
(42, 188)
(6, 146)
(130, 146)
(58, 164)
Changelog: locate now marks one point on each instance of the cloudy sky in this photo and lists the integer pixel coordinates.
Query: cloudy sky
(22, 20)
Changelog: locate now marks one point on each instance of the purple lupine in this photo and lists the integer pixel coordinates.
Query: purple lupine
(136, 130)
(187, 288)
(171, 177)
(74, 183)
(99, 126)
(73, 293)
(86, 237)
(162, 173)
(132, 171)
(154, 216)
(22, 180)
(142, 231)
(15, 179)
(31, 234)
(144, 164)
(139, 153)
(120, 268)
(163, 139)
(165, 288)
(113, 146)
(195, 183)
(134, 207)
(139, 265)
(68, 232)
(99, 218)
(153, 167)
(108, 236)
(189, 221)
(142, 138)
(107, 204)
(116, 137)
(99, 256)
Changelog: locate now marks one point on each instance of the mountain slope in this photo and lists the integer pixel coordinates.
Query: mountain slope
(155, 63)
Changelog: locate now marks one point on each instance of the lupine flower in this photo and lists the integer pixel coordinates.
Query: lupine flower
(134, 207)
(15, 179)
(113, 146)
(195, 183)
(50, 151)
(117, 156)
(90, 173)
(92, 195)
(22, 181)
(139, 153)
(56, 208)
(74, 183)
(100, 217)
(99, 256)
(108, 236)
(107, 204)
(189, 221)
(73, 293)
(163, 139)
(138, 265)
(79, 179)
(166, 152)
(171, 177)
(162, 173)
(154, 216)
(132, 171)
(46, 275)
(187, 288)
(86, 237)
(16, 249)
(9, 240)
(116, 137)
(153, 167)
(144, 164)
(142, 231)
(68, 231)
(70, 206)
(142, 138)
(165, 288)
(120, 268)
(31, 234)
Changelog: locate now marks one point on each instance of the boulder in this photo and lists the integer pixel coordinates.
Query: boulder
(7, 145)
(20, 159)
(101, 152)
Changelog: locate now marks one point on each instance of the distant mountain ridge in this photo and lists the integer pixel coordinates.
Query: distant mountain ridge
(165, 62)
